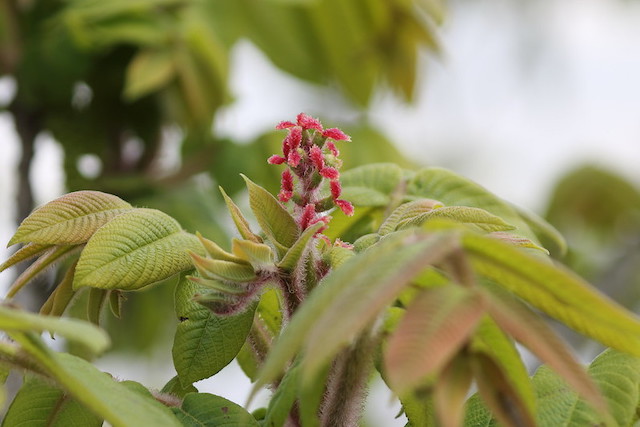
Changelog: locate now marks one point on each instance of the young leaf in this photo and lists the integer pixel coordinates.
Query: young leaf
(556, 291)
(436, 325)
(407, 211)
(147, 72)
(70, 219)
(26, 252)
(223, 270)
(276, 222)
(259, 255)
(204, 409)
(174, 387)
(530, 330)
(290, 260)
(48, 258)
(617, 376)
(93, 338)
(548, 235)
(95, 303)
(371, 185)
(283, 398)
(450, 391)
(215, 251)
(239, 220)
(204, 343)
(60, 298)
(40, 404)
(136, 249)
(334, 313)
(96, 390)
(477, 217)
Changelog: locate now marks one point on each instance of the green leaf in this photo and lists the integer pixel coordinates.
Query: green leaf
(617, 376)
(435, 327)
(216, 252)
(530, 330)
(174, 387)
(223, 270)
(259, 255)
(406, 212)
(556, 291)
(136, 249)
(70, 219)
(371, 185)
(490, 340)
(299, 249)
(95, 302)
(454, 190)
(208, 410)
(547, 233)
(48, 258)
(239, 220)
(93, 338)
(96, 390)
(26, 252)
(40, 404)
(204, 343)
(334, 313)
(276, 222)
(60, 298)
(477, 217)
(450, 391)
(147, 72)
(283, 399)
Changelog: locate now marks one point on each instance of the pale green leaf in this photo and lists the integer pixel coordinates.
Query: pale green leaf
(477, 217)
(238, 219)
(204, 342)
(148, 72)
(208, 410)
(371, 185)
(407, 211)
(435, 327)
(299, 249)
(136, 249)
(450, 392)
(556, 291)
(95, 302)
(26, 252)
(454, 190)
(216, 252)
(490, 340)
(276, 222)
(60, 298)
(97, 390)
(48, 258)
(259, 255)
(547, 233)
(40, 404)
(334, 313)
(70, 219)
(93, 338)
(530, 330)
(223, 270)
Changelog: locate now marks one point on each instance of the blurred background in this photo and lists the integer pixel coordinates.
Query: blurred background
(160, 101)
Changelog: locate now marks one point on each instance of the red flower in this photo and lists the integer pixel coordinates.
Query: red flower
(285, 125)
(287, 181)
(336, 134)
(315, 154)
(276, 160)
(308, 122)
(308, 214)
(332, 147)
(345, 207)
(330, 173)
(336, 189)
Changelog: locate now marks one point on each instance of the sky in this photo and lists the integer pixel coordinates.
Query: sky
(522, 92)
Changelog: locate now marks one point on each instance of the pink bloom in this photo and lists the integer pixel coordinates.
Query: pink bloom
(308, 122)
(316, 157)
(287, 181)
(285, 196)
(294, 138)
(330, 173)
(336, 189)
(345, 207)
(308, 214)
(336, 134)
(332, 147)
(285, 125)
(276, 160)
(294, 158)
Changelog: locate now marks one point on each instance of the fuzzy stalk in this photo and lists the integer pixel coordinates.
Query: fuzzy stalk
(343, 402)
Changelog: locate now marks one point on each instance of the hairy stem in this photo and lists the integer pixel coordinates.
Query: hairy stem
(344, 399)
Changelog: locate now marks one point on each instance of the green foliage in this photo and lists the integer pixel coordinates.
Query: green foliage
(203, 409)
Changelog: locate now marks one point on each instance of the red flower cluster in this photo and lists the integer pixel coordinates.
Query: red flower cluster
(311, 154)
